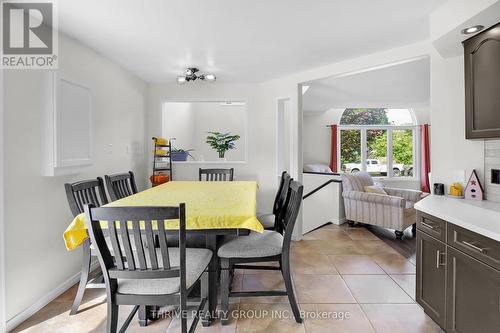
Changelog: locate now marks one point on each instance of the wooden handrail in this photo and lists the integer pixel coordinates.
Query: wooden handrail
(320, 187)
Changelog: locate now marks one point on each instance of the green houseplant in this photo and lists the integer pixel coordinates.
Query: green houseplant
(222, 142)
(178, 154)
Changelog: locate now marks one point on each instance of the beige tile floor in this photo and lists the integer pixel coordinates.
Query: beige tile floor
(346, 280)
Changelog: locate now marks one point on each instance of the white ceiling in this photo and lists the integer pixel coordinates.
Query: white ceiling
(399, 86)
(241, 40)
(449, 44)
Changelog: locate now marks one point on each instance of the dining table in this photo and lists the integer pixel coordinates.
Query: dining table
(213, 210)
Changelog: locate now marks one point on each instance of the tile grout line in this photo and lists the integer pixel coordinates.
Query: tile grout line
(368, 318)
(357, 303)
(348, 288)
(383, 270)
(389, 273)
(396, 282)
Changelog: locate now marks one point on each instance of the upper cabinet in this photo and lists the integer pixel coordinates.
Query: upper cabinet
(482, 84)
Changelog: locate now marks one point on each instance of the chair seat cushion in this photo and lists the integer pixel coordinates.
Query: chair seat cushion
(255, 245)
(197, 261)
(267, 220)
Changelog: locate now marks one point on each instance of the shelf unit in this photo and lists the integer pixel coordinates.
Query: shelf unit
(161, 168)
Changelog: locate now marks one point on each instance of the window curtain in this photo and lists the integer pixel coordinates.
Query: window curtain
(334, 149)
(426, 158)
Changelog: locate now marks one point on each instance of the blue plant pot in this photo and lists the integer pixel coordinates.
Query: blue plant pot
(179, 156)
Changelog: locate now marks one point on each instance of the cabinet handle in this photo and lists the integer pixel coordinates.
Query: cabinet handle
(427, 225)
(438, 259)
(477, 248)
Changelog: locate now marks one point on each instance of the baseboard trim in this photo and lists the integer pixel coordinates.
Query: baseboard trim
(339, 221)
(24, 315)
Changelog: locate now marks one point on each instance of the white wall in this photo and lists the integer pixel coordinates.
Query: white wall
(177, 122)
(317, 136)
(452, 156)
(2, 211)
(36, 209)
(215, 117)
(448, 20)
(451, 153)
(283, 135)
(261, 161)
(190, 123)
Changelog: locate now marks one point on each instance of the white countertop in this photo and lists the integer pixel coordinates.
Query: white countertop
(482, 217)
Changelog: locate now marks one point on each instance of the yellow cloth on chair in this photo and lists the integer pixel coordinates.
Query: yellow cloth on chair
(209, 205)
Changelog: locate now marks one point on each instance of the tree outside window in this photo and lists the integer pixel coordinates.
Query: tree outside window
(377, 125)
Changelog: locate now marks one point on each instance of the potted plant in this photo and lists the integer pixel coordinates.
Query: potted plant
(178, 154)
(222, 142)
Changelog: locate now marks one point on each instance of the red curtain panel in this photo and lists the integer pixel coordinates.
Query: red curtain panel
(334, 148)
(426, 158)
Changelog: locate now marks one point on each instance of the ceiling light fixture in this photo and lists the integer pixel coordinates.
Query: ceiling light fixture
(190, 75)
(472, 30)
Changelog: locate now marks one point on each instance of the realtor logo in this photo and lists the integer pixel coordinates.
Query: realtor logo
(29, 34)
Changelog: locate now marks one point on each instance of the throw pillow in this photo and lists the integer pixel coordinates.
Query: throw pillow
(375, 189)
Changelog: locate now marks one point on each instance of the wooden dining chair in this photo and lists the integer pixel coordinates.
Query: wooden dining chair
(269, 220)
(120, 185)
(216, 174)
(79, 194)
(148, 276)
(269, 246)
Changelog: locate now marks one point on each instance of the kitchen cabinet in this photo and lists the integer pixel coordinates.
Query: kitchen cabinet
(458, 280)
(482, 83)
(473, 295)
(431, 277)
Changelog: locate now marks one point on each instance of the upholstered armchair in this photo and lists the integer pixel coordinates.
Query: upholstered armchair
(393, 210)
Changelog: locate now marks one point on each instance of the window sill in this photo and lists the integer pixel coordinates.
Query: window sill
(208, 162)
(388, 179)
(409, 179)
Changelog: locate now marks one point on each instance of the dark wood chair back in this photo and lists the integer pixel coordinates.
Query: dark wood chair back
(85, 192)
(121, 185)
(280, 199)
(291, 211)
(117, 259)
(216, 174)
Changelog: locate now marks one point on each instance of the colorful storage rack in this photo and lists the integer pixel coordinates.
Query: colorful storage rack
(162, 163)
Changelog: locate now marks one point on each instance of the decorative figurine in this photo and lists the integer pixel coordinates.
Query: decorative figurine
(474, 190)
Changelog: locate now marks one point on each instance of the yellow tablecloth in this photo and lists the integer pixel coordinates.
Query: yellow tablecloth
(209, 205)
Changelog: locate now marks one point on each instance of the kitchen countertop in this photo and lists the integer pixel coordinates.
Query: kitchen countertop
(482, 217)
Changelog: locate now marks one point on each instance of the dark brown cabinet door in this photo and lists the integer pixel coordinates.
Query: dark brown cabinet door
(482, 84)
(431, 277)
(473, 295)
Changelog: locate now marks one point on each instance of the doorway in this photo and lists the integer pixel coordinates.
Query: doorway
(284, 145)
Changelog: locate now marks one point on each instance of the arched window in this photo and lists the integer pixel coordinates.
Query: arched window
(379, 141)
